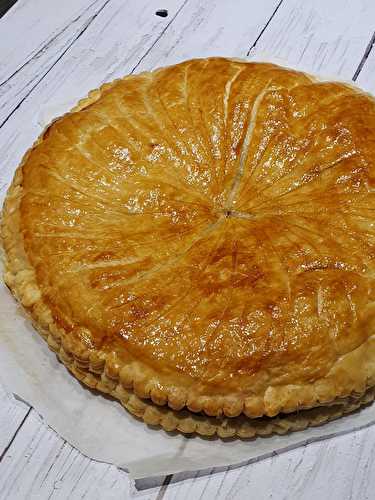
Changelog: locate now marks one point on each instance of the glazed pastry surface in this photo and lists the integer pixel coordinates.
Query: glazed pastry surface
(204, 235)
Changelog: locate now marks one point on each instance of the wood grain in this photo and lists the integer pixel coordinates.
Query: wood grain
(210, 28)
(24, 65)
(340, 468)
(366, 78)
(41, 465)
(325, 37)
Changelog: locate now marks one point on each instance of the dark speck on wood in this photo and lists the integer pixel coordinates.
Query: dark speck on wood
(162, 12)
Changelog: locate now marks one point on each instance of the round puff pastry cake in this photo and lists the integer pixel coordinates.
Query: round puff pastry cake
(198, 241)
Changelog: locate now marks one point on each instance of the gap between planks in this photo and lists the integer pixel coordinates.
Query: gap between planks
(158, 38)
(264, 28)
(5, 451)
(364, 57)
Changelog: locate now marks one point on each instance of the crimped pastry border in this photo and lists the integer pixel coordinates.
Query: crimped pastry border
(21, 279)
(242, 427)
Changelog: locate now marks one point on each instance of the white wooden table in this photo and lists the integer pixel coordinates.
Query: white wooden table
(53, 51)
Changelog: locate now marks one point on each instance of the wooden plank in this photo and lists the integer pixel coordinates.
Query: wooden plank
(51, 34)
(326, 37)
(366, 76)
(210, 28)
(339, 469)
(110, 47)
(41, 29)
(40, 464)
(12, 415)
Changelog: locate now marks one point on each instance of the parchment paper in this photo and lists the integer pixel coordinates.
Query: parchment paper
(98, 426)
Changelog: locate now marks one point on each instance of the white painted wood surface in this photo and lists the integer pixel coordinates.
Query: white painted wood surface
(327, 37)
(24, 63)
(52, 51)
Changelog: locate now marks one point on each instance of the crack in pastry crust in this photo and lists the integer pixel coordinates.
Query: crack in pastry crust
(350, 372)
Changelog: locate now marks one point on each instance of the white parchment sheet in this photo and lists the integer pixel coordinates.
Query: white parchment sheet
(98, 426)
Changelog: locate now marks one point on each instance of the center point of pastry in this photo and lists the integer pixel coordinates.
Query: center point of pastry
(238, 214)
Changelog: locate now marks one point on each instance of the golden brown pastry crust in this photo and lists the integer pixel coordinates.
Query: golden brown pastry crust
(329, 352)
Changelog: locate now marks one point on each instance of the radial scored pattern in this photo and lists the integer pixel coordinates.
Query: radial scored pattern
(208, 229)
